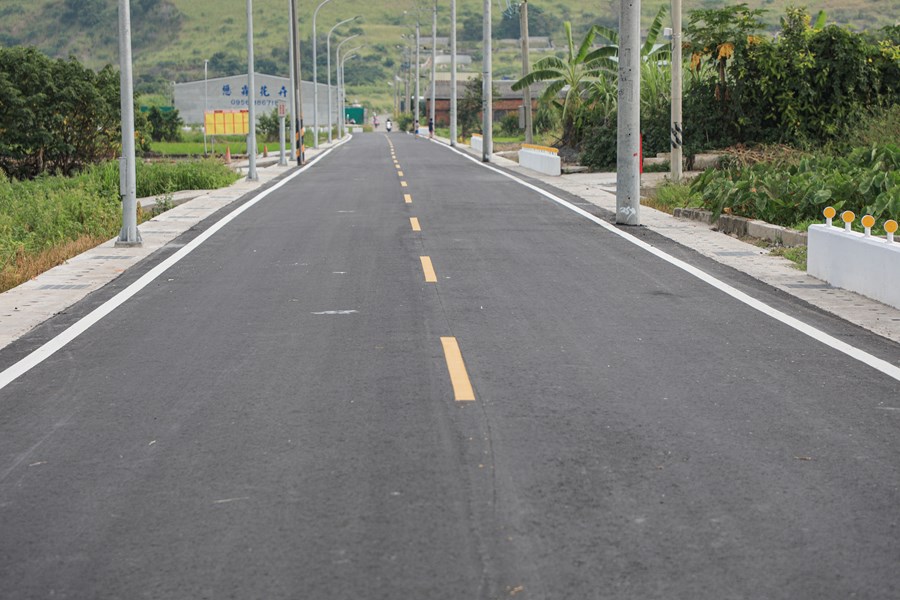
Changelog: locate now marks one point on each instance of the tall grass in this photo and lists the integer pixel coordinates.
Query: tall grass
(45, 221)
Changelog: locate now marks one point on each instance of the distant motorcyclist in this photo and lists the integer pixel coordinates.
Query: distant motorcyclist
(388, 125)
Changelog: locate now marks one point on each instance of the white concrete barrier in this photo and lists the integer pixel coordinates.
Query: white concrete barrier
(477, 142)
(867, 265)
(542, 159)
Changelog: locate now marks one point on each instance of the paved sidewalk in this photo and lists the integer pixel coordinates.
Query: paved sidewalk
(600, 189)
(33, 302)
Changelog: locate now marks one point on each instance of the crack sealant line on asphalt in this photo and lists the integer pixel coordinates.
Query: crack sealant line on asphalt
(853, 352)
(49, 348)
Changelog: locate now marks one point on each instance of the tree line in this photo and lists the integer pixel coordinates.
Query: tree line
(57, 116)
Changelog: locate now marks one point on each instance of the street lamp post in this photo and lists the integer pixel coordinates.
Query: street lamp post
(417, 73)
(453, 72)
(129, 235)
(328, 51)
(297, 94)
(339, 83)
(205, 101)
(342, 91)
(433, 59)
(315, 77)
(251, 99)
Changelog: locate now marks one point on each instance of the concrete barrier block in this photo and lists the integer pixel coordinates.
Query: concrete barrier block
(850, 260)
(477, 143)
(545, 161)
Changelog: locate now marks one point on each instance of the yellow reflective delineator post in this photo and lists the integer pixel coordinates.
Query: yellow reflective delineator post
(891, 228)
(868, 222)
(848, 217)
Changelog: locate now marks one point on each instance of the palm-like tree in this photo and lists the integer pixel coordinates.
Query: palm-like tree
(591, 75)
(572, 77)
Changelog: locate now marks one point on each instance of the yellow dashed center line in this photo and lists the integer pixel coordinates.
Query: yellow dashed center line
(407, 198)
(462, 387)
(428, 268)
(403, 184)
(400, 173)
(415, 224)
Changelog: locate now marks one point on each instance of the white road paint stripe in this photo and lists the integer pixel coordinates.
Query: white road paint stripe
(54, 345)
(830, 341)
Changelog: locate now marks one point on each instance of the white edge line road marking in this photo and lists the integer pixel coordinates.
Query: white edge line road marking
(54, 345)
(830, 341)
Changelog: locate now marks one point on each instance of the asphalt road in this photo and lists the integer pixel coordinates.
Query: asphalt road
(275, 416)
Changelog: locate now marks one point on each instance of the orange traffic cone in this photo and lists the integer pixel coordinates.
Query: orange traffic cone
(265, 151)
(227, 155)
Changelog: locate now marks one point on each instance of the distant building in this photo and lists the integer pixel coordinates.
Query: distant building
(506, 101)
(231, 93)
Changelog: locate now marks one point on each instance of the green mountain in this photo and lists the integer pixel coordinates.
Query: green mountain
(173, 38)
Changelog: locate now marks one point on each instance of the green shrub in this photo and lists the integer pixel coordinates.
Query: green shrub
(38, 214)
(509, 125)
(867, 181)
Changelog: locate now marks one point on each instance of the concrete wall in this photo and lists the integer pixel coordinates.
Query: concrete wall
(225, 93)
(869, 266)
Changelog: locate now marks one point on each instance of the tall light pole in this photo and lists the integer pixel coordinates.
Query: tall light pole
(316, 77)
(292, 31)
(677, 127)
(129, 236)
(339, 83)
(433, 59)
(205, 100)
(328, 51)
(526, 67)
(297, 125)
(251, 98)
(452, 72)
(628, 142)
(488, 116)
(342, 90)
(417, 70)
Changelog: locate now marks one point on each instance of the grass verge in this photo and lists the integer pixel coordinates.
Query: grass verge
(48, 220)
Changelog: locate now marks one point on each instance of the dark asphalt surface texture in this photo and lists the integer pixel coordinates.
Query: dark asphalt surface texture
(273, 417)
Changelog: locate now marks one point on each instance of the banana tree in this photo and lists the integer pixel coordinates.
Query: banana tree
(569, 79)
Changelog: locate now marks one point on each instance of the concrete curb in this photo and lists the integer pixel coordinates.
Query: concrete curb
(744, 227)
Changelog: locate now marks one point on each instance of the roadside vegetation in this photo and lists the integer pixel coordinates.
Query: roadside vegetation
(49, 219)
(804, 119)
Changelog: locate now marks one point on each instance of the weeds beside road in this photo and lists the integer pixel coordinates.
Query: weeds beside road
(45, 221)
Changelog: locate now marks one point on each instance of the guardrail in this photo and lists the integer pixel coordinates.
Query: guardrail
(477, 142)
(542, 159)
(855, 261)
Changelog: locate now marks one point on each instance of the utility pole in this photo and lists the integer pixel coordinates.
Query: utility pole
(297, 116)
(416, 122)
(526, 67)
(433, 59)
(129, 236)
(488, 94)
(675, 158)
(453, 73)
(628, 143)
(251, 81)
